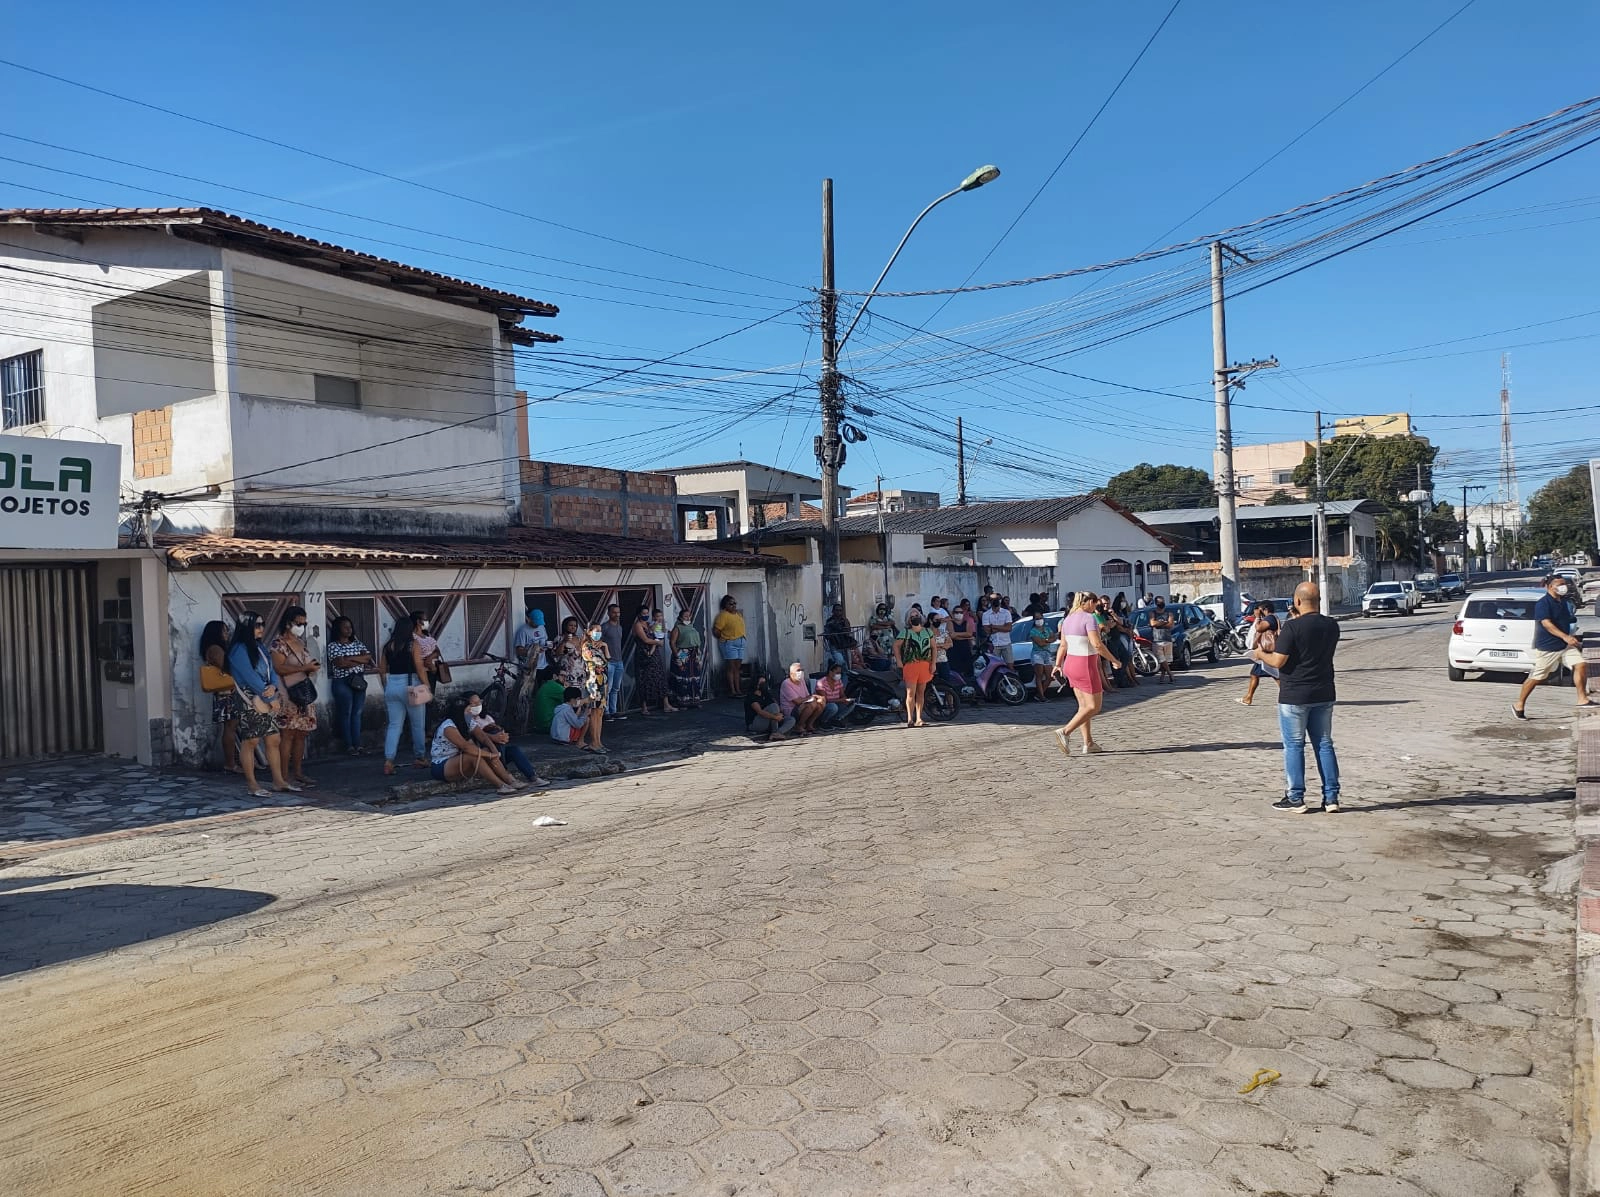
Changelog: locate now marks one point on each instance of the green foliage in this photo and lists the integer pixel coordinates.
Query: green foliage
(1480, 547)
(1561, 515)
(1282, 498)
(1383, 469)
(1148, 487)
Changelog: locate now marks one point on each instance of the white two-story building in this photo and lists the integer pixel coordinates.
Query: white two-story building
(298, 424)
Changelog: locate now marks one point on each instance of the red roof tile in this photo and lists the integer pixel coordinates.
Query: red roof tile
(519, 547)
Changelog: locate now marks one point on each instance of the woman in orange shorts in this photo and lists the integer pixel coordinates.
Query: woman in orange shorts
(913, 652)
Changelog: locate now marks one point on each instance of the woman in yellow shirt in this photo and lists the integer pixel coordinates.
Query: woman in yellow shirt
(728, 629)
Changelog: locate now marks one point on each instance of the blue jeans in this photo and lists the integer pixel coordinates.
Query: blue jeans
(348, 707)
(830, 712)
(516, 759)
(615, 671)
(1295, 723)
(837, 656)
(400, 713)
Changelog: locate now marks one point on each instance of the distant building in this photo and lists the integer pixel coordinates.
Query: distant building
(1261, 471)
(893, 500)
(723, 499)
(1390, 424)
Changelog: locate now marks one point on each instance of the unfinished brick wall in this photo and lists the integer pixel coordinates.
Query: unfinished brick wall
(580, 498)
(152, 443)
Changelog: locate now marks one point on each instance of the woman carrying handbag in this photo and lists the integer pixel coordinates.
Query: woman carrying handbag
(297, 666)
(406, 694)
(259, 695)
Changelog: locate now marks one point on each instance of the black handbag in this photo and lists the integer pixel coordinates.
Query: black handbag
(303, 694)
(357, 683)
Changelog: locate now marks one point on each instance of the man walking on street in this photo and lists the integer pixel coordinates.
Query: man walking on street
(1304, 660)
(1555, 643)
(611, 634)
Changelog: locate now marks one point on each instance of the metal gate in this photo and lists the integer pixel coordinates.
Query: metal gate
(49, 690)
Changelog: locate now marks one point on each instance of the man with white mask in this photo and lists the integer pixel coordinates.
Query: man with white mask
(1555, 643)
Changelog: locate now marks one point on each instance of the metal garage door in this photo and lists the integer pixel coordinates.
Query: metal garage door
(49, 691)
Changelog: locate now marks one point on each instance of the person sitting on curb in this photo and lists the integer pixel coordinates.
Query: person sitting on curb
(762, 718)
(454, 756)
(495, 738)
(574, 722)
(831, 688)
(549, 696)
(797, 702)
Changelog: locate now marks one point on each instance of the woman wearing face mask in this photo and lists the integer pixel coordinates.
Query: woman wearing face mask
(593, 657)
(566, 654)
(963, 635)
(348, 661)
(795, 701)
(259, 693)
(913, 652)
(400, 666)
(686, 667)
(831, 689)
(454, 756)
(1042, 654)
(881, 632)
(649, 673)
(432, 658)
(943, 641)
(489, 734)
(296, 665)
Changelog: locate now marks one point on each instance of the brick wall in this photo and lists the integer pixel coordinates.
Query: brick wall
(152, 443)
(580, 498)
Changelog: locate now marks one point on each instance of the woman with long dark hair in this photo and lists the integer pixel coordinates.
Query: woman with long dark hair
(401, 668)
(224, 703)
(649, 672)
(296, 665)
(456, 756)
(260, 695)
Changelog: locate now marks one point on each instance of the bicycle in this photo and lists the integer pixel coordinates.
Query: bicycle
(498, 694)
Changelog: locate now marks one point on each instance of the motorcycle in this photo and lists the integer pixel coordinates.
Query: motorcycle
(1145, 663)
(995, 681)
(874, 693)
(1238, 638)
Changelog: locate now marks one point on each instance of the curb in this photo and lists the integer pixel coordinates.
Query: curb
(1584, 1163)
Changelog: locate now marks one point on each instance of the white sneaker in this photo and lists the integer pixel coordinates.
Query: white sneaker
(1063, 743)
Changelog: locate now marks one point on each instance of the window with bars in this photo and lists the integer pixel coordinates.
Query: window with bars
(484, 611)
(1115, 573)
(22, 389)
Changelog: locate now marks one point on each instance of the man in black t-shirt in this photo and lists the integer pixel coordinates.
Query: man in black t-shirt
(1304, 660)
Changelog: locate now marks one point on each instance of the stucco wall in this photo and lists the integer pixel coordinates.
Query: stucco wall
(1097, 535)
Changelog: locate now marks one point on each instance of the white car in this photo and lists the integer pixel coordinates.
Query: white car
(1413, 593)
(1385, 598)
(1493, 633)
(1213, 603)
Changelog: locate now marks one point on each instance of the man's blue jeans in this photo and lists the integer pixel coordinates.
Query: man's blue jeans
(615, 671)
(1295, 723)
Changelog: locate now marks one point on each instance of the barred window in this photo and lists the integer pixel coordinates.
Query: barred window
(1116, 573)
(22, 389)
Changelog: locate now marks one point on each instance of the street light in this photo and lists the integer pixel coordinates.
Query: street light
(830, 446)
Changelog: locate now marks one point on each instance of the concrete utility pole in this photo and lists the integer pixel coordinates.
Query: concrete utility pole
(829, 445)
(1224, 379)
(1466, 532)
(1321, 526)
(961, 466)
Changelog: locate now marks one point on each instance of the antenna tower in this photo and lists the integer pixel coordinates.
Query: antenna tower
(1511, 502)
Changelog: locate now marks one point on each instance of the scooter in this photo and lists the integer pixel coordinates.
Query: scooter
(997, 681)
(1145, 663)
(874, 693)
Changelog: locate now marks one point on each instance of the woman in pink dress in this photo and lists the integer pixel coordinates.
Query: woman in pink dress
(1078, 661)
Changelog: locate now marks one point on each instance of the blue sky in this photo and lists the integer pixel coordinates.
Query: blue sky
(704, 133)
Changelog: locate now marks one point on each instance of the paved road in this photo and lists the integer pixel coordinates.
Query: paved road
(946, 961)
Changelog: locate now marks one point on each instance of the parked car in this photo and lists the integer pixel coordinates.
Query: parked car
(1493, 633)
(1385, 598)
(1197, 633)
(1213, 603)
(1428, 587)
(1413, 594)
(1542, 561)
(1022, 646)
(1451, 586)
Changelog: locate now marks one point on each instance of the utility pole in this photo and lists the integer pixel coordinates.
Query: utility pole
(829, 445)
(961, 466)
(883, 537)
(1321, 526)
(1224, 379)
(1466, 532)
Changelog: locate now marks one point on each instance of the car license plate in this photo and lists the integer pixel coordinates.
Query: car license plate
(1503, 653)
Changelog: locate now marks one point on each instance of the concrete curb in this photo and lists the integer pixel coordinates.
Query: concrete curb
(1584, 1168)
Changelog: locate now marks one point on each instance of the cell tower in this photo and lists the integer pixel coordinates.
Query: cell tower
(1510, 500)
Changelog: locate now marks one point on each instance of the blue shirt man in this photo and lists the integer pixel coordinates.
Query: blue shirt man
(1555, 645)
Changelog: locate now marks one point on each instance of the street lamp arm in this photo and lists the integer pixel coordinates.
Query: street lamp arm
(884, 273)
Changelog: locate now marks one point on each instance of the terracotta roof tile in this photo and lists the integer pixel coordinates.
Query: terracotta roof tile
(519, 547)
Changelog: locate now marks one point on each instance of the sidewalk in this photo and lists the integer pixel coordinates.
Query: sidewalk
(70, 799)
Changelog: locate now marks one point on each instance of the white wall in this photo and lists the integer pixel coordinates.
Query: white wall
(1098, 534)
(1030, 544)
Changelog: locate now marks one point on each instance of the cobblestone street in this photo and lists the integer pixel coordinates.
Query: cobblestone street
(888, 962)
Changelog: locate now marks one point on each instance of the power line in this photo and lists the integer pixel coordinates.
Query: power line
(376, 173)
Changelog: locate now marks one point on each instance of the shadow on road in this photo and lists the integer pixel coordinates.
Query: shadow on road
(1214, 746)
(1376, 702)
(40, 927)
(1472, 798)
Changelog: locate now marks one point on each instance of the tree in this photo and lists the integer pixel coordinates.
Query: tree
(1561, 515)
(1480, 547)
(1149, 487)
(1282, 498)
(1381, 468)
